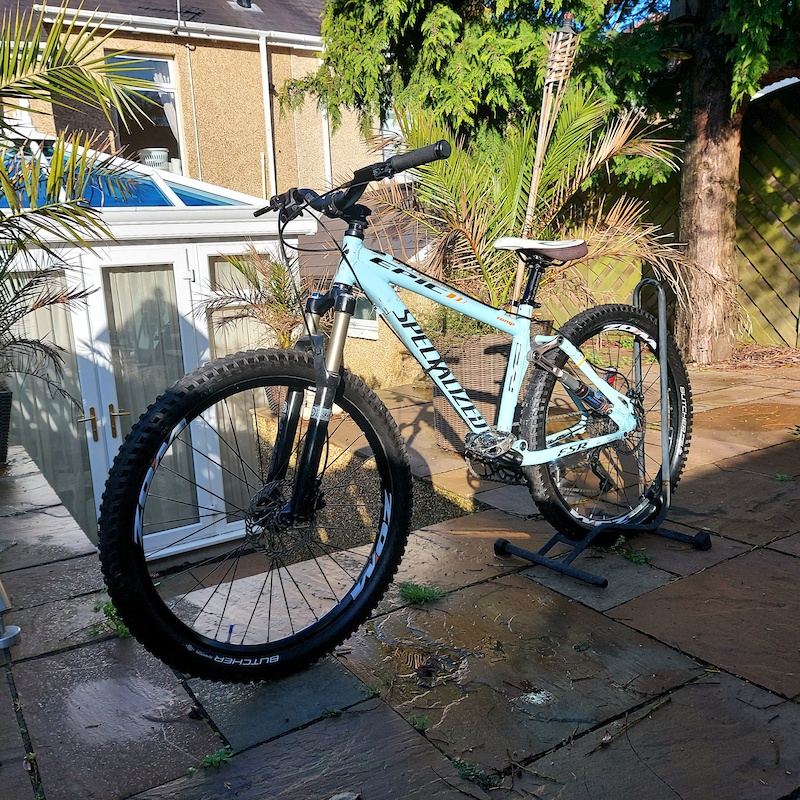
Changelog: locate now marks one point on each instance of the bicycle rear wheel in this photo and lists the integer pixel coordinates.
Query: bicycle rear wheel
(616, 482)
(196, 556)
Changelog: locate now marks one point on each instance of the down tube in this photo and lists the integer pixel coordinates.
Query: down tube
(374, 272)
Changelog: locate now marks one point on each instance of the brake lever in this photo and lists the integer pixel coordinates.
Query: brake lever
(289, 205)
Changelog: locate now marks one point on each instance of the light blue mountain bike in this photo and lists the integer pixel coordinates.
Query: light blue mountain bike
(292, 473)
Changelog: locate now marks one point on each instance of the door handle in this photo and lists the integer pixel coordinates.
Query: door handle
(112, 415)
(93, 419)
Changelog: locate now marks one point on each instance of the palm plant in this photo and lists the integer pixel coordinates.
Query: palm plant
(261, 289)
(481, 193)
(21, 294)
(44, 63)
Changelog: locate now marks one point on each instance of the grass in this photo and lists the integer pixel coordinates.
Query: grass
(217, 759)
(474, 774)
(418, 594)
(113, 618)
(783, 476)
(633, 556)
(419, 721)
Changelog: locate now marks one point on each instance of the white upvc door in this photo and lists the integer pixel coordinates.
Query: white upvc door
(139, 335)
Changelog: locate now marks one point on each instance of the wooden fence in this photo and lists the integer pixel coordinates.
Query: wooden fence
(768, 218)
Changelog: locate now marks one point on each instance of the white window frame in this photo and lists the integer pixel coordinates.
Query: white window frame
(170, 86)
(364, 328)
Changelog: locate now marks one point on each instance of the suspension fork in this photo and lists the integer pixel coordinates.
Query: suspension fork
(327, 377)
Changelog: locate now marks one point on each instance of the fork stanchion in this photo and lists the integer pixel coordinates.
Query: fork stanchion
(661, 504)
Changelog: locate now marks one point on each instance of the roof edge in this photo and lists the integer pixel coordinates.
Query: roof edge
(191, 30)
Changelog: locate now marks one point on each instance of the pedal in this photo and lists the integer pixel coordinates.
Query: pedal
(489, 444)
(503, 469)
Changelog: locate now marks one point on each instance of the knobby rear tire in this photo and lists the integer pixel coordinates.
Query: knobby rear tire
(609, 484)
(259, 599)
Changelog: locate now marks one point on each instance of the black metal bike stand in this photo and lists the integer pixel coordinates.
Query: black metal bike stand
(700, 541)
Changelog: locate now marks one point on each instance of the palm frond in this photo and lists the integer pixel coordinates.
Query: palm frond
(51, 199)
(622, 234)
(261, 289)
(63, 62)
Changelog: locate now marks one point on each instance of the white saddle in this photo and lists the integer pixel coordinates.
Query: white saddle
(562, 250)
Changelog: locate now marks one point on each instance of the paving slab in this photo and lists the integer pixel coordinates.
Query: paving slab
(790, 545)
(719, 738)
(704, 381)
(109, 720)
(63, 580)
(425, 461)
(458, 553)
(59, 625)
(706, 449)
(780, 380)
(728, 396)
(507, 669)
(463, 482)
(747, 506)
(14, 781)
(27, 540)
(251, 714)
(683, 559)
(626, 580)
(740, 615)
(756, 424)
(416, 428)
(402, 397)
(779, 459)
(369, 751)
(514, 499)
(22, 487)
(493, 523)
(17, 463)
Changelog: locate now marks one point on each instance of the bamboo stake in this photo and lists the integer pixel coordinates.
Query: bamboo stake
(562, 48)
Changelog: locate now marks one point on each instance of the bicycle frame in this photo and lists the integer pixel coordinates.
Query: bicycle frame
(377, 273)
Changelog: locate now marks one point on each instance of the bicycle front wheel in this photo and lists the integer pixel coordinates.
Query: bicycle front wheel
(615, 483)
(198, 559)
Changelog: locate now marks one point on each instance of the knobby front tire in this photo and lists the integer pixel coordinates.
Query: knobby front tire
(614, 483)
(196, 557)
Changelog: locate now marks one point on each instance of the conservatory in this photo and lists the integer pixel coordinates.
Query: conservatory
(143, 325)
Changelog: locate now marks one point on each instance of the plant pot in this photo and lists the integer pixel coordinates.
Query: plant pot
(479, 364)
(5, 423)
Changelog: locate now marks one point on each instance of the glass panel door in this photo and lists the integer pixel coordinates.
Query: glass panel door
(43, 421)
(147, 357)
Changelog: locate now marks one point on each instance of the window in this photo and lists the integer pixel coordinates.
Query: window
(391, 134)
(156, 142)
(364, 324)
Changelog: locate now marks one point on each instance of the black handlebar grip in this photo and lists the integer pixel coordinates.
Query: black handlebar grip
(424, 155)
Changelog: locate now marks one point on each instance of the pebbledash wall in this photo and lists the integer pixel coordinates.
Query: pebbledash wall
(233, 132)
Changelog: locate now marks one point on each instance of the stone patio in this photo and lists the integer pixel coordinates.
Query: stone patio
(681, 679)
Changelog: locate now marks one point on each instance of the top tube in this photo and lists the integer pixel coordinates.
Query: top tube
(376, 272)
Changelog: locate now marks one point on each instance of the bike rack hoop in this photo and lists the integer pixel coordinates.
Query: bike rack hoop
(700, 541)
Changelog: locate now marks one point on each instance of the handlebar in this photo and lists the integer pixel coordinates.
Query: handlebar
(336, 202)
(416, 158)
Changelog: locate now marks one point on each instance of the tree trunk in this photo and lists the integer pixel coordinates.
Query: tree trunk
(708, 327)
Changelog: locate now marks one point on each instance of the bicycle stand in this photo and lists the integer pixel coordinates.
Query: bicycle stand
(700, 541)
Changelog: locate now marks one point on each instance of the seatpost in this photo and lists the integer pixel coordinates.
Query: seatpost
(536, 267)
